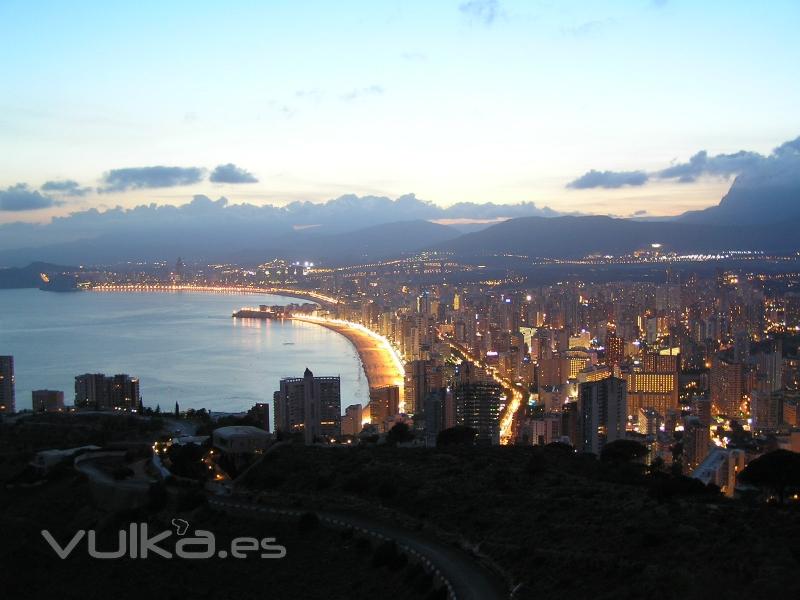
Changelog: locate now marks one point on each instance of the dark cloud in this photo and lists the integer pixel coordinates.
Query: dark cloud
(119, 180)
(230, 173)
(723, 165)
(485, 11)
(372, 90)
(66, 187)
(608, 179)
(790, 148)
(20, 197)
(783, 160)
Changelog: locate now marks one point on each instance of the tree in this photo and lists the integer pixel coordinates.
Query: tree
(457, 436)
(778, 471)
(398, 434)
(623, 451)
(177, 411)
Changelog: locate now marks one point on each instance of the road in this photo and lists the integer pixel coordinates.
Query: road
(463, 576)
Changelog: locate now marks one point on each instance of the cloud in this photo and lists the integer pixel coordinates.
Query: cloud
(414, 56)
(372, 90)
(485, 11)
(230, 173)
(723, 165)
(66, 187)
(19, 197)
(783, 159)
(219, 224)
(134, 178)
(790, 148)
(608, 179)
(587, 29)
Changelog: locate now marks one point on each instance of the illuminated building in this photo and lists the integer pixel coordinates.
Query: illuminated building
(602, 413)
(47, 401)
(594, 373)
(309, 404)
(421, 377)
(353, 419)
(727, 387)
(384, 404)
(549, 372)
(721, 468)
(97, 392)
(696, 440)
(658, 391)
(546, 429)
(791, 415)
(477, 401)
(7, 400)
(615, 349)
(647, 421)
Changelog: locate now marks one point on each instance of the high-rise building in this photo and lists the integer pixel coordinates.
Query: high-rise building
(125, 392)
(696, 441)
(309, 404)
(98, 392)
(7, 400)
(352, 420)
(384, 404)
(47, 401)
(615, 349)
(421, 377)
(477, 401)
(727, 387)
(602, 413)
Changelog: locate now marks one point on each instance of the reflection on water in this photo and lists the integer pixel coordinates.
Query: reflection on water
(184, 347)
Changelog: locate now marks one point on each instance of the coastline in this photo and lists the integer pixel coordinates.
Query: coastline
(309, 296)
(379, 362)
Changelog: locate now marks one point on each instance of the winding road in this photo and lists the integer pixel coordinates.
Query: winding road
(464, 578)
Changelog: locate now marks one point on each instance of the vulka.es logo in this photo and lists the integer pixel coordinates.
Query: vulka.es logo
(136, 542)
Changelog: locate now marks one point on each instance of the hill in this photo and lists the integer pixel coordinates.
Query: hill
(557, 523)
(573, 237)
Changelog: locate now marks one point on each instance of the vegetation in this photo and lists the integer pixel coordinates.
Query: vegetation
(547, 514)
(777, 471)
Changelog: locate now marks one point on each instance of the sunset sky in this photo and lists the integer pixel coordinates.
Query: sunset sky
(479, 100)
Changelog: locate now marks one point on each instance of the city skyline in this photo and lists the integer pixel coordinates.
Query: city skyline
(479, 101)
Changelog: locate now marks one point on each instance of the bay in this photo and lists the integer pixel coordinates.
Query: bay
(183, 346)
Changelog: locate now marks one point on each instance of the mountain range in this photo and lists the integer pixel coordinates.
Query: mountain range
(761, 211)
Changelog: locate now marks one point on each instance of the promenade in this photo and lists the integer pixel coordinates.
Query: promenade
(380, 361)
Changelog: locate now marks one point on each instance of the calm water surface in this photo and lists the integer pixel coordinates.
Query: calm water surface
(184, 346)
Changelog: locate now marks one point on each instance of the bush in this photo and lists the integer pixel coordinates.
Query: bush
(307, 522)
(457, 436)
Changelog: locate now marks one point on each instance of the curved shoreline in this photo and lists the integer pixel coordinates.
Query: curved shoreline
(380, 363)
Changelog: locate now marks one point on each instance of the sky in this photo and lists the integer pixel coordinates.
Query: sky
(466, 100)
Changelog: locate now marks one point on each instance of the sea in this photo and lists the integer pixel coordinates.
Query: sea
(183, 346)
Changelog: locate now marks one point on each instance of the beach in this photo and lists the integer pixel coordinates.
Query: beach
(381, 365)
